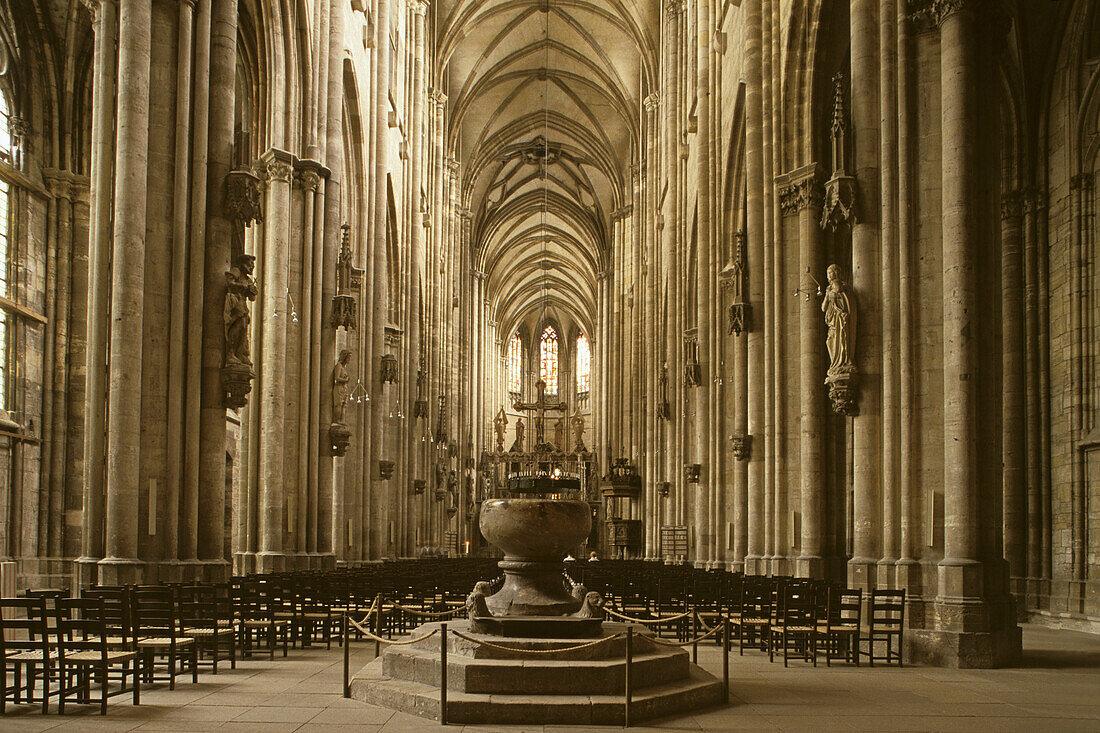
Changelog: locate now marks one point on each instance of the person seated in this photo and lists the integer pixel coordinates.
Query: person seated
(569, 557)
(593, 557)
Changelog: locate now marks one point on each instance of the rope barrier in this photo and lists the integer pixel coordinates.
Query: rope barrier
(662, 619)
(405, 642)
(429, 614)
(534, 652)
(696, 640)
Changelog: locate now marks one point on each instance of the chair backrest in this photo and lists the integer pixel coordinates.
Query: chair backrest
(23, 625)
(80, 625)
(154, 611)
(798, 605)
(887, 609)
(117, 613)
(845, 606)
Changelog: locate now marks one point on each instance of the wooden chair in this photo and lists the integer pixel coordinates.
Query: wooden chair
(887, 624)
(25, 645)
(207, 617)
(796, 629)
(85, 652)
(158, 631)
(756, 612)
(839, 633)
(256, 619)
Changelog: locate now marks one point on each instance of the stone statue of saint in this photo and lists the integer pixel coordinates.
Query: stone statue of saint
(578, 430)
(559, 433)
(517, 447)
(840, 320)
(340, 386)
(239, 289)
(500, 424)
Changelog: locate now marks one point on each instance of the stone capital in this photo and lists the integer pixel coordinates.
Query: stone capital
(652, 102)
(59, 183)
(1034, 201)
(420, 7)
(622, 213)
(1081, 182)
(277, 165)
(674, 9)
(451, 164)
(1012, 205)
(437, 97)
(310, 180)
(801, 189)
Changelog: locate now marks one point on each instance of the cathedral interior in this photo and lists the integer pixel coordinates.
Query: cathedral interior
(803, 288)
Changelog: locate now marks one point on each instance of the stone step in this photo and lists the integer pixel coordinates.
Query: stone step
(534, 675)
(698, 690)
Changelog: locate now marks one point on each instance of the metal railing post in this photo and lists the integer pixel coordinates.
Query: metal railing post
(725, 660)
(694, 636)
(443, 673)
(378, 624)
(346, 639)
(627, 675)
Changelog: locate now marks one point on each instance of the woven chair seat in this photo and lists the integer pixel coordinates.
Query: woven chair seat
(91, 657)
(756, 621)
(800, 629)
(254, 623)
(316, 616)
(204, 632)
(159, 641)
(30, 655)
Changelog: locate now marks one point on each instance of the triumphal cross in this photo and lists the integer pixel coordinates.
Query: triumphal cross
(540, 408)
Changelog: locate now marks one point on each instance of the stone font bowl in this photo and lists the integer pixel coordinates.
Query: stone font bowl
(535, 529)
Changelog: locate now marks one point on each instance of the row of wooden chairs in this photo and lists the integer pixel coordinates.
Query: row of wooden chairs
(792, 617)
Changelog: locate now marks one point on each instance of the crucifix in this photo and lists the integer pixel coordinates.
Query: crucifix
(539, 407)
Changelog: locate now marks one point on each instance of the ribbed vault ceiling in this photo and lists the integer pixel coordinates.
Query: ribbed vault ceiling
(545, 101)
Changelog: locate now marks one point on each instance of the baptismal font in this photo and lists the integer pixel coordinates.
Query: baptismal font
(538, 515)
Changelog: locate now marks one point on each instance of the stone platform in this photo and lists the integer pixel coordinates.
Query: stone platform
(582, 686)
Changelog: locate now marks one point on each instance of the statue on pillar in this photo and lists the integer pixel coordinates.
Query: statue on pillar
(240, 288)
(237, 373)
(340, 380)
(840, 320)
(339, 434)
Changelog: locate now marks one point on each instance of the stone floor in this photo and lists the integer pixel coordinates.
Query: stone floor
(1057, 689)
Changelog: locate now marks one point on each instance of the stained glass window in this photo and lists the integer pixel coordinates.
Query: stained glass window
(548, 359)
(584, 364)
(5, 130)
(515, 365)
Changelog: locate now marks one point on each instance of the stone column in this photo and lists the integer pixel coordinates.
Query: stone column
(807, 194)
(105, 26)
(334, 152)
(908, 569)
(652, 360)
(866, 281)
(890, 323)
(210, 507)
(1014, 366)
(177, 340)
(272, 307)
(754, 231)
(970, 624)
(704, 304)
(121, 564)
(187, 532)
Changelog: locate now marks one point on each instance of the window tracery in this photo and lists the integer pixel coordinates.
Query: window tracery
(548, 359)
